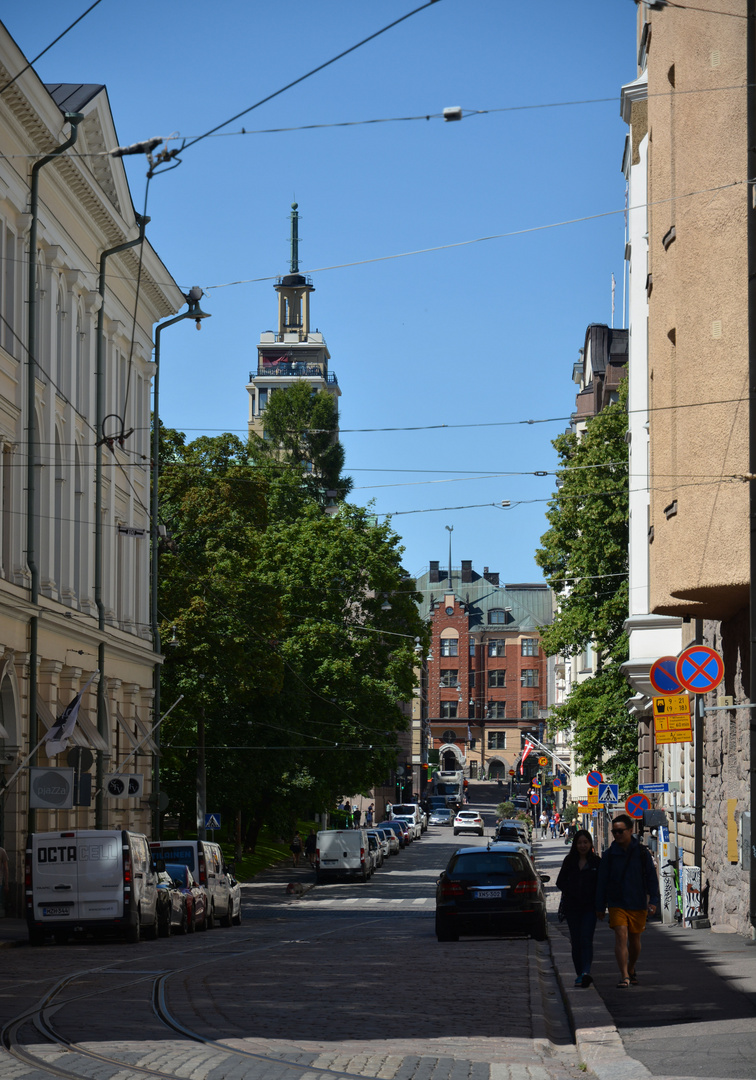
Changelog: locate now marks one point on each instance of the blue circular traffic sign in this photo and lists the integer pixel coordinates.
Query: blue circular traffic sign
(699, 669)
(535, 798)
(662, 676)
(637, 803)
(595, 778)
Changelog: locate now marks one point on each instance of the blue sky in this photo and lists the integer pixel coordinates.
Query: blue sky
(475, 335)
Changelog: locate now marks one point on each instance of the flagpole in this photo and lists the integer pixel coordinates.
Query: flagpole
(22, 766)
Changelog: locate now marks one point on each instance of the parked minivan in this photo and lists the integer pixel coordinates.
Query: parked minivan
(342, 853)
(205, 860)
(412, 814)
(90, 880)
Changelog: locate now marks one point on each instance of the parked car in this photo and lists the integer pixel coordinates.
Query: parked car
(407, 831)
(376, 851)
(194, 894)
(521, 826)
(468, 821)
(494, 890)
(410, 814)
(400, 831)
(391, 838)
(383, 843)
(205, 860)
(235, 897)
(442, 815)
(171, 907)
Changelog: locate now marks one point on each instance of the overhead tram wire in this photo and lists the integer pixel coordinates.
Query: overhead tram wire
(47, 49)
(314, 71)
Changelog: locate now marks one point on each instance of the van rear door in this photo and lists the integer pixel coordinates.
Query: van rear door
(54, 877)
(100, 874)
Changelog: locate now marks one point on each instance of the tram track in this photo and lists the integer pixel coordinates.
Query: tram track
(41, 1018)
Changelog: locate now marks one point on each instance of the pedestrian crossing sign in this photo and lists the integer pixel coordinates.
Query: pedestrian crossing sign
(212, 821)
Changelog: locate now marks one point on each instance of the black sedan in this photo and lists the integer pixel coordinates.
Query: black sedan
(487, 890)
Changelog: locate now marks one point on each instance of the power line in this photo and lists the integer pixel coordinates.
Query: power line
(314, 71)
(55, 42)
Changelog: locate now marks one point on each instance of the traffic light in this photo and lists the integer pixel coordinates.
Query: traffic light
(425, 777)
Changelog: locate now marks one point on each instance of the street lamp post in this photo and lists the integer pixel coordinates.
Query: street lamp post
(195, 312)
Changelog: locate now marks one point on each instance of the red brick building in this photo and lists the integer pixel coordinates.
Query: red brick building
(486, 680)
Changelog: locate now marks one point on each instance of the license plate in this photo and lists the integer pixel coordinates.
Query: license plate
(487, 894)
(56, 910)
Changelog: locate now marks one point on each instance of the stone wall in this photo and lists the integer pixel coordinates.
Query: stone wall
(726, 760)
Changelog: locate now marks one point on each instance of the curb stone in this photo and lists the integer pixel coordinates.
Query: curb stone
(598, 1041)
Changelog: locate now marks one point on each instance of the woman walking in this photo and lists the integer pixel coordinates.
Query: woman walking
(577, 881)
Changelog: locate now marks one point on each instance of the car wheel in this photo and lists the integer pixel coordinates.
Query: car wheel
(61, 937)
(237, 919)
(456, 832)
(36, 936)
(318, 878)
(226, 920)
(444, 932)
(203, 925)
(540, 930)
(183, 927)
(134, 932)
(164, 925)
(191, 925)
(151, 932)
(480, 832)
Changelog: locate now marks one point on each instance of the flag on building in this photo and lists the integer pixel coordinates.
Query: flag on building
(56, 740)
(526, 751)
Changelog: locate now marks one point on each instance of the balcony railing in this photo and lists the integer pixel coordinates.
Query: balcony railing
(300, 370)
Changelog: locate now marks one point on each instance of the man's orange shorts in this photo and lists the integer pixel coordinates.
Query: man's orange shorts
(635, 921)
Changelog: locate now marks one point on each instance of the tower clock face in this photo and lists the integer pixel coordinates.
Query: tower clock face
(450, 611)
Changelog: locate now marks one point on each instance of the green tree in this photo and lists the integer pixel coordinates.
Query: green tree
(287, 647)
(584, 556)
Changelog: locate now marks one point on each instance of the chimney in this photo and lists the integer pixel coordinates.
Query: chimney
(491, 577)
(466, 571)
(433, 573)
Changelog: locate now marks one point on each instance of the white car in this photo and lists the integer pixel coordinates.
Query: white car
(383, 843)
(468, 821)
(412, 822)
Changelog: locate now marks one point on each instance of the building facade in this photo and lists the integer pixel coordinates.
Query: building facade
(485, 682)
(84, 208)
(686, 158)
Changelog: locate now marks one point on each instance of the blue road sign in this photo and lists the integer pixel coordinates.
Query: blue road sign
(637, 803)
(699, 669)
(608, 792)
(594, 778)
(535, 798)
(662, 676)
(212, 821)
(653, 789)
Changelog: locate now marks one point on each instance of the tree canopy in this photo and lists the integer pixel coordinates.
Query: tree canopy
(584, 556)
(295, 628)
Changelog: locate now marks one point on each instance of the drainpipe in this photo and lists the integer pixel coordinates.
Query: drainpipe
(751, 217)
(102, 720)
(74, 119)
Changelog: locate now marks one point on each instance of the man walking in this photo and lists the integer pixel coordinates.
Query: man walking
(544, 823)
(627, 884)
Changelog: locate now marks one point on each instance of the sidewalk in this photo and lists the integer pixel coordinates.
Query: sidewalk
(693, 1014)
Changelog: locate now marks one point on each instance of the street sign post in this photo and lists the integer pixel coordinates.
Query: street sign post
(699, 669)
(637, 803)
(535, 798)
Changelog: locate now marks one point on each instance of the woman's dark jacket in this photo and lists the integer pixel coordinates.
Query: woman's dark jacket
(578, 886)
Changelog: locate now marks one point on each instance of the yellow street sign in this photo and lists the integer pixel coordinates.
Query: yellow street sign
(543, 761)
(672, 720)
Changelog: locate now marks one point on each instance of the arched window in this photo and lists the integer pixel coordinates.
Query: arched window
(497, 615)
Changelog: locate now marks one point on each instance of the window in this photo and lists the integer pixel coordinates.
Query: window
(529, 646)
(528, 710)
(449, 646)
(529, 677)
(497, 615)
(497, 710)
(473, 743)
(449, 710)
(496, 647)
(472, 647)
(471, 679)
(449, 736)
(497, 740)
(449, 676)
(262, 401)
(497, 678)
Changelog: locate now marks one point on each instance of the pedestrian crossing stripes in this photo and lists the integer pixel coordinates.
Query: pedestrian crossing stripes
(368, 901)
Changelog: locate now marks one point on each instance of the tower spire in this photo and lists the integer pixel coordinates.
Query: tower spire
(294, 238)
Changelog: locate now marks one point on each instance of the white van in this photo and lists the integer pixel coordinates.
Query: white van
(90, 880)
(205, 860)
(411, 814)
(343, 853)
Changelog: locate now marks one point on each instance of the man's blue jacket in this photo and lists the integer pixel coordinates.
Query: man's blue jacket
(627, 878)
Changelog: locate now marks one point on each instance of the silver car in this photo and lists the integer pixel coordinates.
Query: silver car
(441, 816)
